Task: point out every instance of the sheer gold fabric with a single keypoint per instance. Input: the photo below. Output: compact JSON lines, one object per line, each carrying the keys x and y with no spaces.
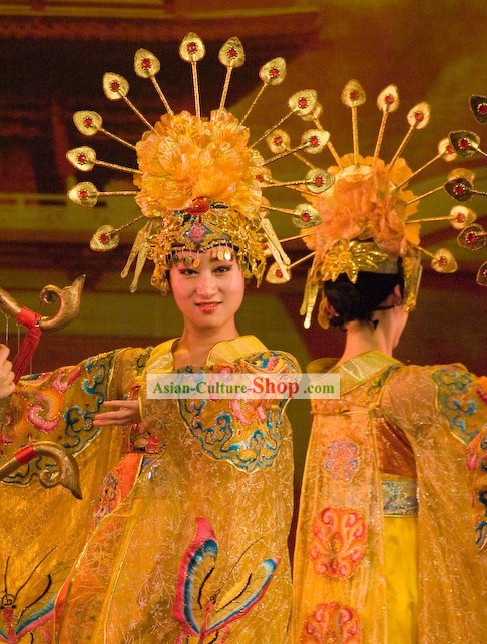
{"x":107,"y":566}
{"x":353,"y":580}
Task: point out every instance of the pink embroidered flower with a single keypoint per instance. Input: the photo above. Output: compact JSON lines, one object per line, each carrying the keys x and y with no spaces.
{"x":338,"y":543}
{"x":332,"y":622}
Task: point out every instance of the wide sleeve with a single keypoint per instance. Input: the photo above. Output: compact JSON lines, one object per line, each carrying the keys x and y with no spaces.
{"x":444,"y":412}
{"x":60,"y":406}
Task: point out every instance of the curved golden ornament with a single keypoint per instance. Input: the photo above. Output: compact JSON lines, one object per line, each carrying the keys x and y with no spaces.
{"x":67,"y":298}
{"x":66,"y":472}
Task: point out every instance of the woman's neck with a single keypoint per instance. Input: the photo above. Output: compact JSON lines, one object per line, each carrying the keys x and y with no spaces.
{"x":362,"y":337}
{"x":195,"y":344}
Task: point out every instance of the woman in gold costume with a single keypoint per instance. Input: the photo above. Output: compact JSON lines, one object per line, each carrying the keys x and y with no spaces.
{"x":393,"y":513}
{"x":181,"y":535}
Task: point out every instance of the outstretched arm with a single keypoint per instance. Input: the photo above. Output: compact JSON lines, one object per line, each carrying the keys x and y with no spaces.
{"x":125,"y":412}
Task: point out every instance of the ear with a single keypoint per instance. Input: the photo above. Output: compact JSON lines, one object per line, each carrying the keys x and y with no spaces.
{"x":397,"y":293}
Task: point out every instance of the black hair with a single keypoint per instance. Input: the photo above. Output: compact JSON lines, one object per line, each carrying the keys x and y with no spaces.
{"x":358,"y":301}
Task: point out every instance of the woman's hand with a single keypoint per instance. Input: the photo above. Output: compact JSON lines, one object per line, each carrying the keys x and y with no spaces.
{"x":126,"y":412}
{"x":7,"y":385}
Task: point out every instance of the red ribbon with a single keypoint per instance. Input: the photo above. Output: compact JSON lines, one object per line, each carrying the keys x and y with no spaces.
{"x":25,"y":454}
{"x":29,"y":320}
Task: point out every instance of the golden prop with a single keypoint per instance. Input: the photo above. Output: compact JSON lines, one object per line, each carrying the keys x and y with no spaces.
{"x":65,"y":470}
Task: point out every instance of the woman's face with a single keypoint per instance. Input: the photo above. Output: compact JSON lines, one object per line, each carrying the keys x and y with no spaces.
{"x":210,"y":294}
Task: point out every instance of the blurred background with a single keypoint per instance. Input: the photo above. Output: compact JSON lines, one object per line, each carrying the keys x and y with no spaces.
{"x":53,"y":55}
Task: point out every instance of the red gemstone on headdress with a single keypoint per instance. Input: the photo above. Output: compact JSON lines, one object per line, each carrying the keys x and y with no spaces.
{"x":278,"y":140}
{"x":81,"y":159}
{"x":353,"y":95}
{"x":482,"y":108}
{"x":305,"y":216}
{"x":264,"y":246}
{"x":146,"y":63}
{"x":83,"y":194}
{"x":471,"y":238}
{"x":419,"y":116}
{"x":114,"y":86}
{"x":104,"y":238}
{"x":459,"y":189}
{"x":192,"y":47}
{"x":88,"y":121}
{"x":464,"y":143}
{"x":389,"y":99}
{"x":232,"y":52}
{"x":449,"y":149}
{"x":197,"y":232}
{"x":318,"y":181}
{"x":274,"y":72}
{"x":303,"y":102}
{"x":460,"y":217}
{"x":279,"y":272}
{"x":198,"y":206}
{"x":442,"y":261}
{"x":259,"y":177}
{"x":314,"y":141}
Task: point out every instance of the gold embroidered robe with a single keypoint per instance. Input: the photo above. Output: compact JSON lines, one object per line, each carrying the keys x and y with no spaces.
{"x":177,"y":507}
{"x":392,"y":519}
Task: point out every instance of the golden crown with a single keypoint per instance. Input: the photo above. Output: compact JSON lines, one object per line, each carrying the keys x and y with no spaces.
{"x":365,"y":219}
{"x":199,"y":182}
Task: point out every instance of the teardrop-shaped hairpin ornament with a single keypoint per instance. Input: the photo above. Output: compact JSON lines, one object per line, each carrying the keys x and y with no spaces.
{"x":387,"y":102}
{"x":84,"y":159}
{"x":315,"y":141}
{"x":276,"y":275}
{"x":306,"y":216}
{"x":105,"y":238}
{"x":231,"y":55}
{"x":461,"y":189}
{"x":278,"y":141}
{"x":474,"y":237}
{"x":465,"y":143}
{"x":318,"y":181}
{"x":86,"y":193}
{"x":116,"y":87}
{"x":461,"y":216}
{"x":418,"y":117}
{"x":353,"y":96}
{"x":443,"y":261}
{"x":303,"y":102}
{"x":146,"y":65}
{"x":192,"y":50}
{"x":272,"y":73}
{"x":482,"y":275}
{"x":89,"y":123}
{"x":478,"y":105}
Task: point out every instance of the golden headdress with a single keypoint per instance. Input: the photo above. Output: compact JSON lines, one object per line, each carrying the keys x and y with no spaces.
{"x":364,"y":220}
{"x":467,"y":144}
{"x":199,"y":182}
